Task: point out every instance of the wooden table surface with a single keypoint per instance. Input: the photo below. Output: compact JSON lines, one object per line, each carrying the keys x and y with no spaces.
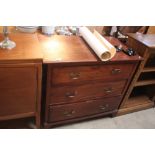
{"x":27,"y":48}
{"x":67,"y":49}
{"x":56,"y":49}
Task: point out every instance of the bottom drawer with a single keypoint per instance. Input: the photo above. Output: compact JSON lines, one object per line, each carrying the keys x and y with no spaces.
{"x":63,"y":112}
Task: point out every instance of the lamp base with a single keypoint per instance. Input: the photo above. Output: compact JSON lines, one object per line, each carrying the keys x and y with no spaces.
{"x":7,"y":44}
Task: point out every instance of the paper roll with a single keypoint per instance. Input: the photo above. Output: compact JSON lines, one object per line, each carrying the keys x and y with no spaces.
{"x":106,"y":43}
{"x":104,"y":50}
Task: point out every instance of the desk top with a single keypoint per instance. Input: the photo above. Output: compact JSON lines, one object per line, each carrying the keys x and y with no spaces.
{"x":146,"y":39}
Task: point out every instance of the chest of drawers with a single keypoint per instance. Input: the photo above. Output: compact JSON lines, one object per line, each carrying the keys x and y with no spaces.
{"x":78,"y":94}
{"x":79,"y":86}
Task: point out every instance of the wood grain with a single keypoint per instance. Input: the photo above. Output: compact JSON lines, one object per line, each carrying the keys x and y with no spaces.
{"x":65,"y":49}
{"x":20,"y":94}
{"x":138,"y":103}
{"x":70,"y":111}
{"x":75,"y":81}
{"x":145,"y":39}
{"x":73,"y":49}
{"x":20,"y":78}
{"x":27,"y":48}
{"x":17,"y":90}
{"x":57,"y":51}
{"x":76,"y":74}
{"x":144,"y":45}
{"x":68,"y":94}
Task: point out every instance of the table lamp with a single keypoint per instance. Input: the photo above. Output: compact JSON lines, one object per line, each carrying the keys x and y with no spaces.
{"x":7,"y":43}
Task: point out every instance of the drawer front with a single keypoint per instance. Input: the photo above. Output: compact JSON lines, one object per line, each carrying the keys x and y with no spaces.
{"x":63,"y":112}
{"x":85,"y":73}
{"x":18,"y":90}
{"x":70,"y":94}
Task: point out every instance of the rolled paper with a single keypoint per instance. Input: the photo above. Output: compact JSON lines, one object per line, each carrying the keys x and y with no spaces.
{"x":106,"y":43}
{"x":103,"y":50}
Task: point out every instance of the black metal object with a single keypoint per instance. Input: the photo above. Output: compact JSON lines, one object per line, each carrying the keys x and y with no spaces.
{"x":129,"y":51}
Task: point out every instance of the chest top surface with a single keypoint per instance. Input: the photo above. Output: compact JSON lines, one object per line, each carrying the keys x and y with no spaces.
{"x":146,"y":39}
{"x":57,"y":49}
{"x":27,"y":48}
{"x":64,"y":49}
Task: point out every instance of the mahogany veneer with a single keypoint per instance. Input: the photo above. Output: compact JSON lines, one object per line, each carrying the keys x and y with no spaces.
{"x":20,"y":79}
{"x":78,"y":85}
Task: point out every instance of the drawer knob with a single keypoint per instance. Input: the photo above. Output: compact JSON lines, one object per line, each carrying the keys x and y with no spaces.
{"x":116,"y":71}
{"x":70,"y":94}
{"x":74,"y":75}
{"x":103,"y":107}
{"x":69,"y":113}
{"x":108,"y":90}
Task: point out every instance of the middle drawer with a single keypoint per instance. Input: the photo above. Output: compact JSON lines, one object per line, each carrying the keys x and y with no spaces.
{"x":68,"y":94}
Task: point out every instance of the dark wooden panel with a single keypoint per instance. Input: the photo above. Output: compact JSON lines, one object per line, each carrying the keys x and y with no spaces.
{"x":145,"y":39}
{"x":137,"y":97}
{"x":70,"y":94}
{"x":136,"y":46}
{"x":79,"y":119}
{"x":18,"y":90}
{"x":89,"y":73}
{"x":63,"y":112}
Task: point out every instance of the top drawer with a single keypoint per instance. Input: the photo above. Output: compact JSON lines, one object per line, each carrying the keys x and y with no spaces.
{"x":86,"y":73}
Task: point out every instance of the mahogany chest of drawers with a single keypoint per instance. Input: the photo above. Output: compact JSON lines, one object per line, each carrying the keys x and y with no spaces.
{"x":78,"y":85}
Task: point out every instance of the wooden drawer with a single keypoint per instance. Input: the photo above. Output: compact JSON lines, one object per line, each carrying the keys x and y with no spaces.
{"x":68,"y":94}
{"x":85,"y":73}
{"x":63,"y":112}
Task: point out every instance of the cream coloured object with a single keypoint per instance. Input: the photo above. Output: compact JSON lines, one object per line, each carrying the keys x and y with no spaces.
{"x":98,"y":44}
{"x":106,"y":43}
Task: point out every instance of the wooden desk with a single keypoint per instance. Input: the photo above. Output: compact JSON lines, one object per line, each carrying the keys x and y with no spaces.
{"x":78,"y":85}
{"x":20,"y":78}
